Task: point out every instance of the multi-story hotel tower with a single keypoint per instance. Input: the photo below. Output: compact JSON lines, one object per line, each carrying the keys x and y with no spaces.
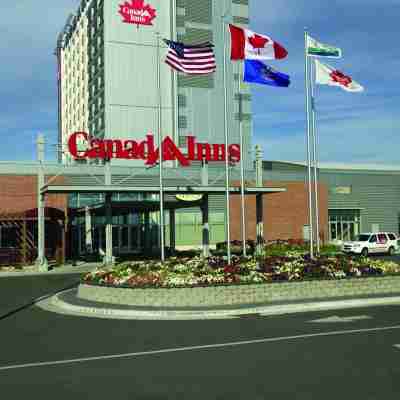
{"x":108,"y":72}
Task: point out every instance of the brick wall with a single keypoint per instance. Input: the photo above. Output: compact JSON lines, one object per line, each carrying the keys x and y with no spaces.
{"x":285,"y":213}
{"x":18,"y":194}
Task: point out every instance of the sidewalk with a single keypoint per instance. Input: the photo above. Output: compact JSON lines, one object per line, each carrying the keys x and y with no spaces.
{"x":80,"y":268}
{"x":68,"y":303}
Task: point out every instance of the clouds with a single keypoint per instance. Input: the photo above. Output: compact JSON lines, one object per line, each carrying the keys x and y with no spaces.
{"x":28,"y":89}
{"x":354,"y":127}
{"x":369,"y":143}
{"x":366,"y":30}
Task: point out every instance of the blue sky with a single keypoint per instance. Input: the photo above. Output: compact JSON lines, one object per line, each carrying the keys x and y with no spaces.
{"x":359,"y":128}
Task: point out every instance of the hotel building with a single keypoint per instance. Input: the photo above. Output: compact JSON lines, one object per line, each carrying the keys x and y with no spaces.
{"x":108,"y":74}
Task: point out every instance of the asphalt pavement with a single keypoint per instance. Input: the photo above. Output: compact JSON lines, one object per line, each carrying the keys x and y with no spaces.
{"x":349,"y":354}
{"x":21,"y":290}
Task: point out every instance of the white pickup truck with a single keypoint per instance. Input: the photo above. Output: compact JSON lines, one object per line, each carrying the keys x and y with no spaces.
{"x":372,"y":243}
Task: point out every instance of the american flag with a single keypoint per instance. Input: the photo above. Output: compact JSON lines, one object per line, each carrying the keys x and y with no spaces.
{"x":196,"y":59}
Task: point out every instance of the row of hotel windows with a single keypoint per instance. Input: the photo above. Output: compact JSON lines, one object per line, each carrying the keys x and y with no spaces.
{"x":78,"y":88}
{"x":74,"y":93}
{"x":76,"y":51}
{"x":75,"y":67}
{"x":76,"y":103}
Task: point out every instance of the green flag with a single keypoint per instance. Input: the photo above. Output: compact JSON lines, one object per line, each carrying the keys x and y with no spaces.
{"x":317,"y":49}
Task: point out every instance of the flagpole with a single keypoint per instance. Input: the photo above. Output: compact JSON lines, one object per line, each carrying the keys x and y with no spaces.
{"x":159,"y":123}
{"x":228,"y":214}
{"x":242,"y":183}
{"x":307,"y":88}
{"x":315,"y":157}
{"x":175,"y":80}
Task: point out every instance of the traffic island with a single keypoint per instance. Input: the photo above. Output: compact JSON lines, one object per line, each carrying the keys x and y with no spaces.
{"x":242,"y":295}
{"x":197,"y":282}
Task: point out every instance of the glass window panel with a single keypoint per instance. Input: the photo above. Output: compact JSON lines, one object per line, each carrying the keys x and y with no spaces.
{"x":346,"y":231}
{"x":134,"y":239}
{"x":339,"y":231}
{"x":73,"y":200}
{"x":87,"y":199}
{"x":115,"y":238}
{"x":129,"y":196}
{"x":116,"y":219}
{"x":134,"y":219}
{"x":333,"y":231}
{"x":125,"y":219}
{"x":102,"y":230}
{"x":352,"y":231}
{"x":99,"y":220}
{"x":96,"y":238}
{"x":82,"y":239}
{"x":124,"y":236}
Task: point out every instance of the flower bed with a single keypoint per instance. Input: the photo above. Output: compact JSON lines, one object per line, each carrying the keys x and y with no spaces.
{"x":275,"y":247}
{"x":190,"y":272}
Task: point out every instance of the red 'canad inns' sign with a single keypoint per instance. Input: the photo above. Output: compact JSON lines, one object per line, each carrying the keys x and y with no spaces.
{"x":137,"y":12}
{"x":81,"y":146}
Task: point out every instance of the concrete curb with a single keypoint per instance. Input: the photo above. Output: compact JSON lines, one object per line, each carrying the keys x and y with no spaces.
{"x":55,"y":304}
{"x":56,"y":271}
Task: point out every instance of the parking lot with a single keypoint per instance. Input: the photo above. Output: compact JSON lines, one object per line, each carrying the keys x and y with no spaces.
{"x":338,"y":354}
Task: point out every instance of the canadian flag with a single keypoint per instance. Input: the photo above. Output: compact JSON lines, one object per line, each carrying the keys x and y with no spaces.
{"x":249,"y":45}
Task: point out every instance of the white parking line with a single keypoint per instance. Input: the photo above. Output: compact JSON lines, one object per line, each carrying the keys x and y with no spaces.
{"x":336,"y":319}
{"x":203,"y":347}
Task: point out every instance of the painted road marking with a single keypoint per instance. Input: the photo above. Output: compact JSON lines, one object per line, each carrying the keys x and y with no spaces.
{"x":336,"y":319}
{"x":397,"y":346}
{"x":203,"y":347}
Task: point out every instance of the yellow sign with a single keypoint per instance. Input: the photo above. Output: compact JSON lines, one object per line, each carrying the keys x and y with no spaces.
{"x":341,"y":190}
{"x":189,"y":197}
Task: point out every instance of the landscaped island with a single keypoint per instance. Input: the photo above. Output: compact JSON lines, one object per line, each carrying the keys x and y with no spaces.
{"x":278,"y":263}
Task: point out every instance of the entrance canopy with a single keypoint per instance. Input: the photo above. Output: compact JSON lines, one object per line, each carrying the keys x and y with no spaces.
{"x":108,"y":180}
{"x":156,"y":189}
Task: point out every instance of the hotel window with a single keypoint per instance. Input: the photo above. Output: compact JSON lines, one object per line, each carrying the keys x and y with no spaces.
{"x":182,"y":141}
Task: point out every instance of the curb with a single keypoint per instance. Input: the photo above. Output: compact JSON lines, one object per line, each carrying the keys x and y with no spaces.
{"x":73,"y":270}
{"x":55,"y":304}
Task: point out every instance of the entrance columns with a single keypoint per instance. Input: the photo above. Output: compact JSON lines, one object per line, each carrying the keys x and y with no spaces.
{"x":109,"y":259}
{"x":41,"y":261}
{"x":88,"y":231}
{"x":172,"y":231}
{"x":147,"y":233}
{"x":206,"y":227}
{"x":260,"y":223}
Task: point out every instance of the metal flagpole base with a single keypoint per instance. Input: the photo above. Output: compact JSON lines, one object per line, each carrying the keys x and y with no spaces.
{"x":42,"y":264}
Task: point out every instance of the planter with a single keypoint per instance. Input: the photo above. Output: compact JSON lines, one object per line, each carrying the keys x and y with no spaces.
{"x":229,"y":295}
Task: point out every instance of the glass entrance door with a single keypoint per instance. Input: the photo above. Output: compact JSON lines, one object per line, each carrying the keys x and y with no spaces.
{"x":344,"y":224}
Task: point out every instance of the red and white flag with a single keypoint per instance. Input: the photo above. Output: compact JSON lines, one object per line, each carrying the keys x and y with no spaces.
{"x":249,"y":45}
{"x":326,"y":75}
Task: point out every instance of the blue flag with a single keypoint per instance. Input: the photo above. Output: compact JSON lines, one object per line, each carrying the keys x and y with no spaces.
{"x":257,"y":72}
